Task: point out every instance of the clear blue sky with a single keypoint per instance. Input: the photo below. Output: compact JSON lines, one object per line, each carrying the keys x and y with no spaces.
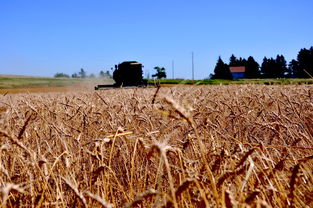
{"x":42,"y":37}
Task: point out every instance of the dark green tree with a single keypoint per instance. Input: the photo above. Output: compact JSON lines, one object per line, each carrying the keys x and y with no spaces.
{"x":160,"y":72}
{"x":221,"y":70}
{"x":281,"y":67}
{"x":233,"y":61}
{"x":274,"y":68}
{"x":74,"y":75}
{"x":241,"y":62}
{"x":102,"y":74}
{"x":294,"y":70}
{"x":61,"y":75}
{"x":267,"y":67}
{"x":106,"y":74}
{"x":252,"y":68}
{"x":303,"y":66}
{"x":82,"y":73}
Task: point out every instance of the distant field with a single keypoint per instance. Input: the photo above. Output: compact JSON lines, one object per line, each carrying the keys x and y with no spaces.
{"x":28,"y":84}
{"x":17,"y":84}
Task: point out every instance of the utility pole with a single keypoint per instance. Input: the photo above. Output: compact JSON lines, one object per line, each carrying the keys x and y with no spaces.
{"x":192,"y":67}
{"x":172,"y":69}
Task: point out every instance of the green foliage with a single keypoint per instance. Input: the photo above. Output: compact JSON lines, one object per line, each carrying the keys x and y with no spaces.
{"x":82,"y":73}
{"x":106,"y":74}
{"x":221,"y":70}
{"x":21,"y":82}
{"x":284,"y":81}
{"x":303,"y":66}
{"x":233,"y":61}
{"x":61,"y":75}
{"x":160,"y":72}
{"x":252,"y":68}
{"x":274,"y":68}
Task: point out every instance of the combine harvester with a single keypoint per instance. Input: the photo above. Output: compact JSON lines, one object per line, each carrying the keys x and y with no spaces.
{"x":127,"y":75}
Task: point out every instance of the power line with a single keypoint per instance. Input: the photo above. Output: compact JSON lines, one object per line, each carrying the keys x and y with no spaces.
{"x":172,"y":69}
{"x":192,"y":67}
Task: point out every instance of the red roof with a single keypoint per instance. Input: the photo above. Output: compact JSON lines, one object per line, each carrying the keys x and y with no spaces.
{"x":237,"y":69}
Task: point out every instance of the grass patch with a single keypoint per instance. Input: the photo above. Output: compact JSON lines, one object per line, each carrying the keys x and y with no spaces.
{"x":28,"y":82}
{"x":237,"y":81}
{"x":12,"y":82}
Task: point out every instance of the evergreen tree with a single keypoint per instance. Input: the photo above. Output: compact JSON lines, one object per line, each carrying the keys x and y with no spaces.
{"x":241,"y":62}
{"x":274,"y":68}
{"x":106,"y":74}
{"x":267,"y":67}
{"x":303,"y":67}
{"x":101,"y":74}
{"x":281,"y":67}
{"x":61,"y":75}
{"x":221,"y":70}
{"x":82,"y":73}
{"x":252,"y":68}
{"x":294,"y":69}
{"x":233,"y":61}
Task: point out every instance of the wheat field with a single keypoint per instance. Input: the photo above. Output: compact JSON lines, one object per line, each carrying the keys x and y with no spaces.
{"x":187,"y":146}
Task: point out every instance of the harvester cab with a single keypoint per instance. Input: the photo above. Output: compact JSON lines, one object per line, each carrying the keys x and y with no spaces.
{"x":126,"y":74}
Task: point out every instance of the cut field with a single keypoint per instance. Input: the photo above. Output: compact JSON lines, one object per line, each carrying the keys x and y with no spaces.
{"x":25,"y":84}
{"x":190,"y":146}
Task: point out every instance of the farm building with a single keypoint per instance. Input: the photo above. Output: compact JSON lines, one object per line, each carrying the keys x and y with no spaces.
{"x":238,"y":72}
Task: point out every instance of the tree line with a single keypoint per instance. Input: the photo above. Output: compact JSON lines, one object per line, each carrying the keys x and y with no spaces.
{"x":83,"y":74}
{"x":160,"y":73}
{"x":302,"y":67}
